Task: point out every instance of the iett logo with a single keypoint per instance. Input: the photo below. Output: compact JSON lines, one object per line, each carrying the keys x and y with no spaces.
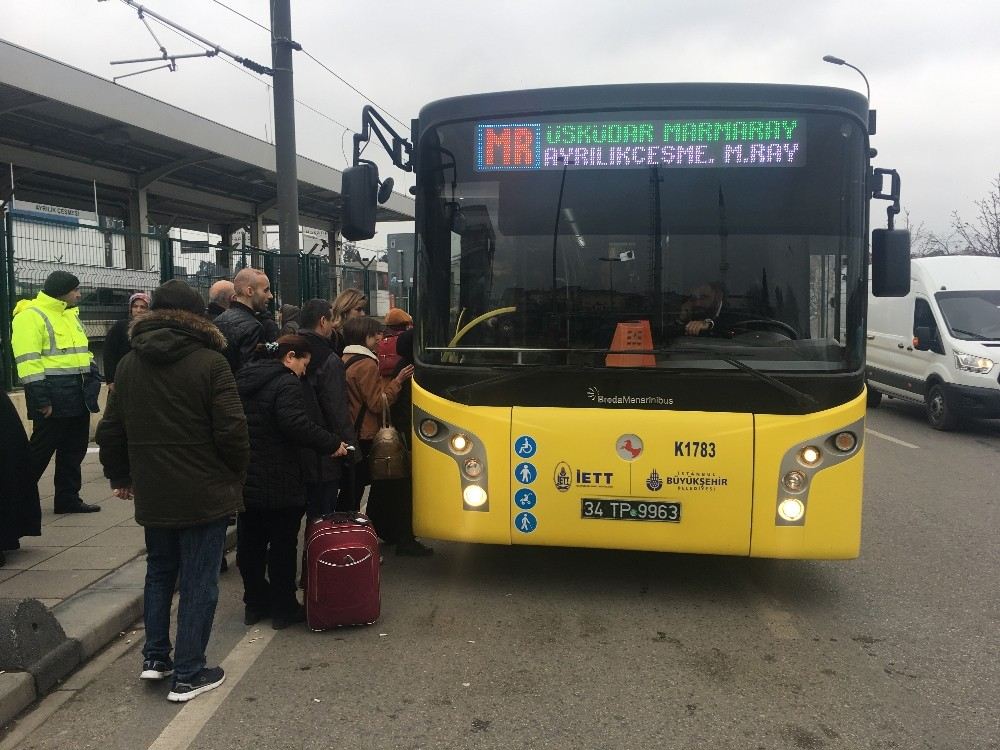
{"x":563,"y":477}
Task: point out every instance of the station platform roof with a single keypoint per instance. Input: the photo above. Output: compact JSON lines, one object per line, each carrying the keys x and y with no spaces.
{"x":63,"y":128}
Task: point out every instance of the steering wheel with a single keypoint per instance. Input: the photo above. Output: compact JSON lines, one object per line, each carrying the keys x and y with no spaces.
{"x":776,"y":326}
{"x":453,"y":356}
{"x":476,"y":321}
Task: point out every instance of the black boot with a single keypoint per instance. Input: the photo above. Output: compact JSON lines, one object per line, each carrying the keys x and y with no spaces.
{"x":78,"y":507}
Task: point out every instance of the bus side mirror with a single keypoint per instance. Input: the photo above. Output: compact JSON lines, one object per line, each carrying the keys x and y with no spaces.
{"x":890,"y":262}
{"x":359,"y":189}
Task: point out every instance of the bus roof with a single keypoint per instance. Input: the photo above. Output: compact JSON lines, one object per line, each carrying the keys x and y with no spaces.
{"x":644,"y":96}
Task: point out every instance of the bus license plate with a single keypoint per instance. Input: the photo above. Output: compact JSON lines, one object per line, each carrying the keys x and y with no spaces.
{"x":631,"y":510}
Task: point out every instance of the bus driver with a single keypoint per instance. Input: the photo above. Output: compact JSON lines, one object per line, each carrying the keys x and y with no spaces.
{"x":702,"y":312}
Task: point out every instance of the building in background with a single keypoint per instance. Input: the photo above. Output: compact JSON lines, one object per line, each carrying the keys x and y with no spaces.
{"x":400,"y":255}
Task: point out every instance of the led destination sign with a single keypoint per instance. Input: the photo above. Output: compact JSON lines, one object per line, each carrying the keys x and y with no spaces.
{"x":510,"y":146}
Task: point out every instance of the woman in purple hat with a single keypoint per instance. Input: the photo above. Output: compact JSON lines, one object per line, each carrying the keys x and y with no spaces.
{"x":116,"y":343}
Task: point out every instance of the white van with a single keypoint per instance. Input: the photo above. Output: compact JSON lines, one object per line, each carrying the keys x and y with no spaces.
{"x":940,"y":344}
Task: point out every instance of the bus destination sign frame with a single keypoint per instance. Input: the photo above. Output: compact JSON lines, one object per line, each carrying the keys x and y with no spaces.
{"x":773,"y":142}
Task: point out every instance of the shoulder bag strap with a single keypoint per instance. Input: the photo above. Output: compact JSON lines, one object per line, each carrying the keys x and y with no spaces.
{"x":386,"y":422}
{"x":364,"y":406}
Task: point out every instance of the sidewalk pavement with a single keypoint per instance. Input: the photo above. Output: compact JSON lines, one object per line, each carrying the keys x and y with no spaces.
{"x":88,"y":570}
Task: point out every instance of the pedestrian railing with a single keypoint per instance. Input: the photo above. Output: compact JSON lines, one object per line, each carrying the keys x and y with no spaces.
{"x":112,"y":263}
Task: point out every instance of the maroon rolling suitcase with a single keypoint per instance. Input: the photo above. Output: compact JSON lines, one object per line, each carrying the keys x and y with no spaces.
{"x":341,"y":571}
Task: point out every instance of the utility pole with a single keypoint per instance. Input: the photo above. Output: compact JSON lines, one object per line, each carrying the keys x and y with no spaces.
{"x":285,"y":156}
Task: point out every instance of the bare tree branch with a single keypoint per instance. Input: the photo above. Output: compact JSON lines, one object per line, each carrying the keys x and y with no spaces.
{"x":981,"y":236}
{"x":924,"y":243}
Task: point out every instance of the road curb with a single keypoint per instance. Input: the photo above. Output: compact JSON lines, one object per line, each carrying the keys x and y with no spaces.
{"x":17,"y":692}
{"x":91,"y":618}
{"x":95,"y":616}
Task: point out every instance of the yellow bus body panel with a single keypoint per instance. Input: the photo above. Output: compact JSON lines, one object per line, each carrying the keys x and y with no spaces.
{"x":727,"y":490}
{"x":715,"y":502}
{"x":438,"y":511}
{"x":832,"y":528}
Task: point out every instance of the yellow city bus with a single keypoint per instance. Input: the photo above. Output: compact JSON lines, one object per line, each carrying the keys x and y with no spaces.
{"x":641,"y":316}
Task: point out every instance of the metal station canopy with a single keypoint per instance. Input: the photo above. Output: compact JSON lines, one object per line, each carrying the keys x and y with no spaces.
{"x":63,"y":129}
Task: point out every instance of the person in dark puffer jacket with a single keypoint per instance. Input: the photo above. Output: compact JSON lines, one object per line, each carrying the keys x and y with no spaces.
{"x":274,"y":493}
{"x":325,"y":390}
{"x":240,"y":323}
{"x":175,"y":439}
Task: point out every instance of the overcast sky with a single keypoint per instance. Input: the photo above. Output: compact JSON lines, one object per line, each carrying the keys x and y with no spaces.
{"x":933,"y":67}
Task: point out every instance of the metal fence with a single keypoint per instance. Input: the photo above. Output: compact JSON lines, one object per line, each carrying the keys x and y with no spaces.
{"x":372,"y":279}
{"x":112,"y":264}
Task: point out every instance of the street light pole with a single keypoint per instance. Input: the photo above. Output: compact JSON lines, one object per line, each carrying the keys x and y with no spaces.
{"x":839,"y":61}
{"x":284,"y":150}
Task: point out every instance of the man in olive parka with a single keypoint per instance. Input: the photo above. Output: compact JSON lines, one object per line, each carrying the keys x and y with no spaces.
{"x":175,"y":437}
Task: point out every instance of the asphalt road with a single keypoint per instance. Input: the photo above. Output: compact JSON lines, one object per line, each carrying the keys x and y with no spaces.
{"x":486,"y":647}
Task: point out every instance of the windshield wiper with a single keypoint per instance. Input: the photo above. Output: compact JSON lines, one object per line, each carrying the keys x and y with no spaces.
{"x":976,"y":336}
{"x":505,"y":377}
{"x":801,"y":398}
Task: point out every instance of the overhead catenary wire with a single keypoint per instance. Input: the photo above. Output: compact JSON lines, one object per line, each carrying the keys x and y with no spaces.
{"x":319,"y":62}
{"x":353,"y":88}
{"x":259,"y":80}
{"x":244,"y":17}
{"x":213,"y":48}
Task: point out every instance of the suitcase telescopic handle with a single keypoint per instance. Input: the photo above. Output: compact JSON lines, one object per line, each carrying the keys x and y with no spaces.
{"x":340,"y":517}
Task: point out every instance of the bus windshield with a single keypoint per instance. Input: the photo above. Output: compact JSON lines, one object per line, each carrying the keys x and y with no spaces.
{"x":693,"y":237}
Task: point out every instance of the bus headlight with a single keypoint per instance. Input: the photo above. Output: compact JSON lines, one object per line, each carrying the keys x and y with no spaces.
{"x":429,"y":429}
{"x":794,"y":481}
{"x":791,"y":509}
{"x":465,"y":452}
{"x":810,"y":456}
{"x":474,"y":496}
{"x":473,"y":468}
{"x":460,"y":444}
{"x":845,"y":441}
{"x":972,"y":363}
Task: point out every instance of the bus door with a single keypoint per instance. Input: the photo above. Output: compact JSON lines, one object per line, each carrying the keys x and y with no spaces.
{"x":632,"y":479}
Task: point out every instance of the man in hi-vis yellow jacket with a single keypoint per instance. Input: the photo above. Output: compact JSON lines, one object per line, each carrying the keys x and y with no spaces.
{"x":61,"y":384}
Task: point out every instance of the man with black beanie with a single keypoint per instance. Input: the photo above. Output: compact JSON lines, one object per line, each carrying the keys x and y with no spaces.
{"x":175,"y":439}
{"x":61,"y":384}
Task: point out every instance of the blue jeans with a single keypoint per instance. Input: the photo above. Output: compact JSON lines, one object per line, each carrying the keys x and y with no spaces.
{"x":193,"y":555}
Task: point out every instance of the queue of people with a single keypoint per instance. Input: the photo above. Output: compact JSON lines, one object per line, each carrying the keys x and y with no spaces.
{"x":211,"y":415}
{"x":263,"y":427}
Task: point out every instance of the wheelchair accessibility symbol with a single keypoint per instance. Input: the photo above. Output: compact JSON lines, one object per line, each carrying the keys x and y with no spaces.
{"x":525,"y":523}
{"x":525,"y":446}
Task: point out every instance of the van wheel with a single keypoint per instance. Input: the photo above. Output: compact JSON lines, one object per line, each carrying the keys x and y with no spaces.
{"x":874,"y":398}
{"x":940,"y":412}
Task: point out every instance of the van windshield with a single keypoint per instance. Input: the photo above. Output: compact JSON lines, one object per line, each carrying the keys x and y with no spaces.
{"x":971,"y":315}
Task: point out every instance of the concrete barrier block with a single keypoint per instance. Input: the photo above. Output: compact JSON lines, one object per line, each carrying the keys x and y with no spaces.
{"x":55,"y":665}
{"x":28,"y":632}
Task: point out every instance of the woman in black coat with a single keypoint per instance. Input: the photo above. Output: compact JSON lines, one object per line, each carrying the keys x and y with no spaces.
{"x":274,"y":493}
{"x":20,"y":508}
{"x":116,"y":343}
